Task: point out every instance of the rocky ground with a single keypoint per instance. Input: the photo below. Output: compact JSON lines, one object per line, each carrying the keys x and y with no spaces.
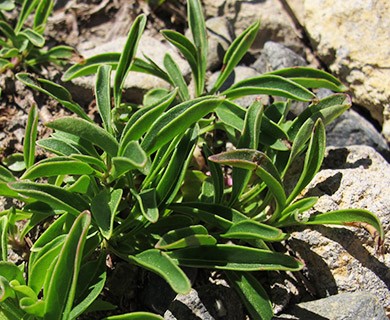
{"x":351,"y":41}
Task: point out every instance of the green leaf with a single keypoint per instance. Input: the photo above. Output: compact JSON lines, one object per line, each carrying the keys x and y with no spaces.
{"x":7,"y":5}
{"x":176,"y":120}
{"x":89,"y":131}
{"x":59,"y":294}
{"x":3,"y":238}
{"x":263,"y":167}
{"x":15,"y":162}
{"x":141,"y":120}
{"x":9,"y":33}
{"x":217,"y":215}
{"x":313,"y":159}
{"x":249,"y":139}
{"x":270,"y":85}
{"x":57,"y":146}
{"x":103,"y":96}
{"x":55,"y":91}
{"x":174,"y":174}
{"x":42,"y":13}
{"x":252,"y":293}
{"x":104,"y":208}
{"x":56,"y":197}
{"x":149,"y":67}
{"x":233,"y":257}
{"x":6,"y":175}
{"x":128,"y":55}
{"x":27,"y":7}
{"x":231,"y":114}
{"x":311,"y":78}
{"x":10,"y":271}
{"x":30,"y":137}
{"x":250,"y":229}
{"x":197,"y":26}
{"x":147,"y":201}
{"x":176,"y":77}
{"x":186,"y":237}
{"x":89,"y":66}
{"x":34,"y":37}
{"x":160,"y":263}
{"x":91,"y":281}
{"x":187,"y":49}
{"x":216,"y":175}
{"x":134,"y":157}
{"x":141,"y":315}
{"x":235,"y":53}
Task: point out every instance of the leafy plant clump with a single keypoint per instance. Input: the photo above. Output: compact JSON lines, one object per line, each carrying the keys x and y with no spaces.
{"x":127,"y":187}
{"x":22,"y":47}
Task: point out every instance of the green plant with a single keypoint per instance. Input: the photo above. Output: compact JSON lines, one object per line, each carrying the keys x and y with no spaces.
{"x":127,"y":187}
{"x":22,"y":47}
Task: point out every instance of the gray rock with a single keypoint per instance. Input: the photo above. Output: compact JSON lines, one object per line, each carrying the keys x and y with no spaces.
{"x":344,"y":259}
{"x":345,"y":306}
{"x":276,"y":56}
{"x":220,"y":36}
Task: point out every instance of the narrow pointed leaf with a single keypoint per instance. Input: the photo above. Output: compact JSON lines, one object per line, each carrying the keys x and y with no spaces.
{"x":216,"y":175}
{"x":90,"y":65}
{"x":232,"y":257}
{"x":311,"y":78}
{"x":128,"y":55}
{"x":140,"y":315}
{"x":161,"y":264}
{"x":269,"y":85}
{"x":252,"y":293}
{"x":141,"y":121}
{"x":134,"y":157}
{"x":103,"y":96}
{"x":3,"y":238}
{"x":89,"y":131}
{"x":57,"y":146}
{"x":30,"y":137}
{"x":42,"y":13}
{"x":103,"y":207}
{"x":176,"y":121}
{"x":231,"y":114}
{"x":147,"y":201}
{"x":6,"y":175}
{"x":59,"y":295}
{"x":235,"y":53}
{"x":55,"y":91}
{"x":250,"y":229}
{"x":27,"y":7}
{"x":176,"y":77}
{"x":35,"y":38}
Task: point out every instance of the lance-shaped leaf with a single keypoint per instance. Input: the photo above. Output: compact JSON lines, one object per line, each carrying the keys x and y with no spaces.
{"x":57,"y":166}
{"x":3,"y":238}
{"x":297,"y":207}
{"x":90,"y":65}
{"x":197,"y":26}
{"x":149,"y":67}
{"x":176,"y":121}
{"x":231,"y":114}
{"x":34,"y":37}
{"x":27,"y":7}
{"x":216,"y":175}
{"x":128,"y":55}
{"x":235,"y":53}
{"x":147,"y":204}
{"x":88,"y":131}
{"x":6,"y":175}
{"x":311,"y":78}
{"x":60,"y":291}
{"x":42,"y":13}
{"x":252,"y":293}
{"x":55,"y":197}
{"x":174,"y":174}
{"x":55,"y":91}
{"x":259,"y":163}
{"x":57,"y":146}
{"x":141,"y":120}
{"x":313,"y":159}
{"x":250,"y":229}
{"x":176,"y":77}
{"x":134,"y":157}
{"x":186,"y":237}
{"x":140,"y":315}
{"x":217,"y":215}
{"x":103,"y":96}
{"x":30,"y":137}
{"x":249,"y":139}
{"x":103,"y":207}
{"x":232,"y":257}
{"x":270,"y":85}
{"x":90,"y":283}
{"x":160,"y":263}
